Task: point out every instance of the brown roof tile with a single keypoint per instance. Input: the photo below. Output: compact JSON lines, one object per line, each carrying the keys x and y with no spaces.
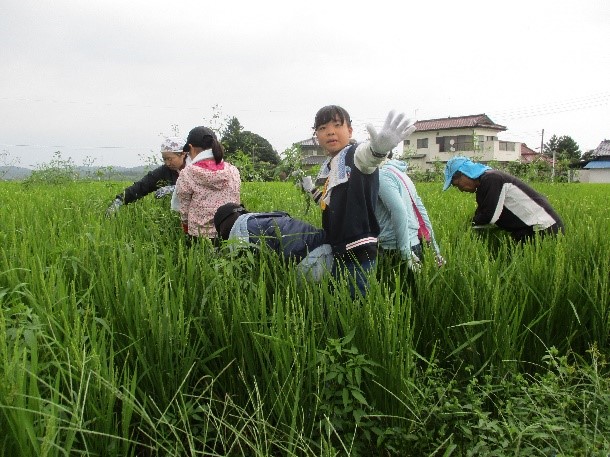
{"x":475,"y":120}
{"x":528,"y":155}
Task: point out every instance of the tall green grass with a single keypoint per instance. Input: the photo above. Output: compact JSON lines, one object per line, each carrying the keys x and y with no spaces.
{"x":118,"y":338}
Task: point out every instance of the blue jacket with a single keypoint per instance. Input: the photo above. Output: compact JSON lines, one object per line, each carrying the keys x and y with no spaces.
{"x":291,"y":238}
{"x":395,"y":213}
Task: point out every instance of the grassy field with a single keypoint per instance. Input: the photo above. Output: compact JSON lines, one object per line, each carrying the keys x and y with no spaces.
{"x":118,"y":339}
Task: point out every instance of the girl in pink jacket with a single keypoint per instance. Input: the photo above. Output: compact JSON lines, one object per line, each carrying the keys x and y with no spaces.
{"x":207,"y":183}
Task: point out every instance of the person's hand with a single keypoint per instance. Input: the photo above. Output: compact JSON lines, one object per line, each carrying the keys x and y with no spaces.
{"x":414,"y":263}
{"x":307,"y":184}
{"x":163,"y":191}
{"x":394,"y":130}
{"x":114,"y":207}
{"x":440,"y":261}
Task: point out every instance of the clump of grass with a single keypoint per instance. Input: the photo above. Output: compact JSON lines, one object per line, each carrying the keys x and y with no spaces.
{"x":119,"y":338}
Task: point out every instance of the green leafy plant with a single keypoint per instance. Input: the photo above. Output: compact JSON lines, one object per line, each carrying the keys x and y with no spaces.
{"x":344,"y":410}
{"x":58,"y":171}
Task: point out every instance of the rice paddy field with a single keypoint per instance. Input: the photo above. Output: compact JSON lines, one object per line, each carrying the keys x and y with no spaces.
{"x":118,"y":338}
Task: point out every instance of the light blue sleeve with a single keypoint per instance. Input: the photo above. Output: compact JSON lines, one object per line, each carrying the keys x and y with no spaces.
{"x":424,"y":214}
{"x":401,"y":216}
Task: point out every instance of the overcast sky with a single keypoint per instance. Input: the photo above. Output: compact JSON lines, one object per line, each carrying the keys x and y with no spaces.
{"x":105,"y":79}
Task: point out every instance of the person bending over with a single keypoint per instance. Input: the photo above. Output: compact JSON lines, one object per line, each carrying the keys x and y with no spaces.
{"x":292,"y":239}
{"x":503,"y":200}
{"x":161,"y":180}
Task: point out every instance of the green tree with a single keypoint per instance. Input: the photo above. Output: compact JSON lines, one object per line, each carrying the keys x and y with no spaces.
{"x":564,"y":147}
{"x":588,"y":155}
{"x":263,"y":158}
{"x":260,"y":148}
{"x":235,"y":138}
{"x":231,"y":136}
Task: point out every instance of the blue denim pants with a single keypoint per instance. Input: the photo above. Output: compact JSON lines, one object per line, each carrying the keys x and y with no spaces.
{"x":355,"y":272}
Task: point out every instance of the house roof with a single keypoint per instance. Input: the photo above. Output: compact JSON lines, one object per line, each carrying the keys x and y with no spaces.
{"x":603,"y":149}
{"x":472,"y":121}
{"x":312,"y":142}
{"x":597,"y":164}
{"x":528,"y":155}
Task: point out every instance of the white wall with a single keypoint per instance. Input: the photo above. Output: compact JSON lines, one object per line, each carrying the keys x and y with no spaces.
{"x":599,"y":175}
{"x":488,"y":150}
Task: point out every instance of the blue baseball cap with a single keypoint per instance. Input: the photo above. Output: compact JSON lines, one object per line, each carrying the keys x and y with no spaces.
{"x":464,"y":165}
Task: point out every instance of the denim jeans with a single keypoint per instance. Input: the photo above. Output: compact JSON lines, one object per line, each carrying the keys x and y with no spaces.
{"x":355,"y":272}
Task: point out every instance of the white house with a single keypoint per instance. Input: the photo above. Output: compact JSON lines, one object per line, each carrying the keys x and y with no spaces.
{"x":476,"y":136}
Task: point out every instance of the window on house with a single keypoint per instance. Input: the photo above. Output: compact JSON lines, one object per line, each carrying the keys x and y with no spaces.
{"x":422,"y":143}
{"x":455,"y":143}
{"x":407,"y":142}
{"x":491,"y":138}
{"x":507,"y":146}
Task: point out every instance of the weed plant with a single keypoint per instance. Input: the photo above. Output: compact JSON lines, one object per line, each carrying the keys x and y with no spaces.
{"x":118,"y":338}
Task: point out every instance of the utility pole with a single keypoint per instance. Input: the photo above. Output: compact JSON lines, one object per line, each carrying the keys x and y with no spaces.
{"x":542,"y":142}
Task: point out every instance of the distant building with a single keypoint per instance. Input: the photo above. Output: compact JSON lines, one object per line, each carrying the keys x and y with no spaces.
{"x":528,"y":155}
{"x":597,"y":169}
{"x":312,"y":153}
{"x":475,"y":136}
{"x":437,"y":140}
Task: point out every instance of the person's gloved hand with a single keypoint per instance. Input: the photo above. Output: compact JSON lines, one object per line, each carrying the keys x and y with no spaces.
{"x":440,"y":261}
{"x":414,"y":263}
{"x":114,"y":207}
{"x":163,"y":191}
{"x":394,"y":130}
{"x":307,"y":184}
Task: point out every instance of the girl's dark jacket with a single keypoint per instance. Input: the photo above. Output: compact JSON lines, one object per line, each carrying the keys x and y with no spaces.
{"x":159,"y":177}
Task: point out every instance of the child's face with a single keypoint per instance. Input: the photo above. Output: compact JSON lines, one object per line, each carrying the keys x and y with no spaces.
{"x":333,"y":136}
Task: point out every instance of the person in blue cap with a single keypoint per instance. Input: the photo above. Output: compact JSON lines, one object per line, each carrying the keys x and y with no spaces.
{"x":503,"y":200}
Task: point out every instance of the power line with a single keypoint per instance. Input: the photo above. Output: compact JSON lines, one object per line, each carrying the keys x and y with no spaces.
{"x":561,"y":107}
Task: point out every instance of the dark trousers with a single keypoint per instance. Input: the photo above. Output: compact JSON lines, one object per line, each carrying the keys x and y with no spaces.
{"x":528,"y":233}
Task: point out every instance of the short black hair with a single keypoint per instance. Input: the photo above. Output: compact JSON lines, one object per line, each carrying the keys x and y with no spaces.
{"x":224,"y":213}
{"x":330,"y":113}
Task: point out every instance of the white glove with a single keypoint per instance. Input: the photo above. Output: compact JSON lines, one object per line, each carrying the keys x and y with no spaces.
{"x":163,"y":191}
{"x":440,"y":261}
{"x":414,"y":263}
{"x":394,"y":130}
{"x":307,"y":184}
{"x":114,"y":207}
